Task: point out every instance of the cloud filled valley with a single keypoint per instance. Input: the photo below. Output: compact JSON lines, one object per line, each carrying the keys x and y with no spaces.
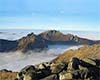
{"x":17,"y":60}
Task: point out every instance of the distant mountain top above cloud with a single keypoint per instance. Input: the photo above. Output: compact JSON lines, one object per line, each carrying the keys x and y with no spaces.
{"x":42,"y":40}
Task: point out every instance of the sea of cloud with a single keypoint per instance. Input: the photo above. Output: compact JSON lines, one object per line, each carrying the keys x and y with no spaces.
{"x":17,"y":60}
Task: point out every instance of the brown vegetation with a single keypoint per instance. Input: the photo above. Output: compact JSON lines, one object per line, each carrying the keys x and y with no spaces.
{"x":83,"y":52}
{"x":8,"y":75}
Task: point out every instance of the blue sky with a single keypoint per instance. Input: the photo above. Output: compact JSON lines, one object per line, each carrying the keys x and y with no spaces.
{"x":50,"y":14}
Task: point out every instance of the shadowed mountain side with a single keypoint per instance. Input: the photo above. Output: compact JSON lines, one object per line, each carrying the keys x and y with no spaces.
{"x":6,"y":45}
{"x":30,"y":42}
{"x":41,"y":41}
{"x":97,"y":42}
{"x":83,"y":52}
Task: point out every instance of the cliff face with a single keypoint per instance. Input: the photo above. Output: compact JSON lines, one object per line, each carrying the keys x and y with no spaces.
{"x":56,"y":37}
{"x":83,"y":52}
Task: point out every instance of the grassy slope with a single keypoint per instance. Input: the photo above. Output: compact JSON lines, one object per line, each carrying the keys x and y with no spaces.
{"x":83,"y":52}
{"x":8,"y":75}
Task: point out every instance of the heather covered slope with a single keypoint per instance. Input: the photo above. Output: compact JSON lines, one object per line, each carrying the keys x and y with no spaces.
{"x":84,"y":52}
{"x":8,"y":75}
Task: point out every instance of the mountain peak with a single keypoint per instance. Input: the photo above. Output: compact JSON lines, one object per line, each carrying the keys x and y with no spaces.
{"x":29,"y":42}
{"x":52,"y":32}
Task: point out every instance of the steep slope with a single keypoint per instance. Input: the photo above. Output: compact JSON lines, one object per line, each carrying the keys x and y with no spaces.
{"x":8,"y":75}
{"x":30,"y":42}
{"x":56,"y":37}
{"x":83,"y":52}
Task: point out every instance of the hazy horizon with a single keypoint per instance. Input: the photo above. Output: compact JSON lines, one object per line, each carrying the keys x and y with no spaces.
{"x":13,"y":34}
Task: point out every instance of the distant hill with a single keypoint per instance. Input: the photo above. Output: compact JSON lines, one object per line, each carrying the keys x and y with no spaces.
{"x":41,"y":41}
{"x":86,"y":51}
{"x":56,"y":37}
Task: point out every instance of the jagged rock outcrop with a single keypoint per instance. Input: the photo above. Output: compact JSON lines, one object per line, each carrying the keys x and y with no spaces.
{"x":75,"y":69}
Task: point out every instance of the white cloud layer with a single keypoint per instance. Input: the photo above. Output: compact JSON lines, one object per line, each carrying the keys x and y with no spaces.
{"x":16,"y":60}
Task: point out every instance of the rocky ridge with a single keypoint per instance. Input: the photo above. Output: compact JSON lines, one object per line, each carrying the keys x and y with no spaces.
{"x":41,"y":41}
{"x":27,"y":43}
{"x":56,"y":37}
{"x":75,"y":69}
{"x":79,"y":67}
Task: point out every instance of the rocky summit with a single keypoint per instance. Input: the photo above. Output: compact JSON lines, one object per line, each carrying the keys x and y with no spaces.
{"x":42,"y":40}
{"x":31,"y":42}
{"x":75,"y":69}
{"x":56,"y":37}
